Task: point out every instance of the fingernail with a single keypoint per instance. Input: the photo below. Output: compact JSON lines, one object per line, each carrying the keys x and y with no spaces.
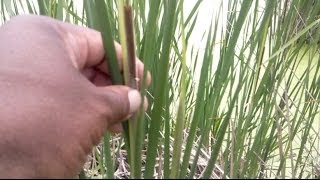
{"x":134,"y":100}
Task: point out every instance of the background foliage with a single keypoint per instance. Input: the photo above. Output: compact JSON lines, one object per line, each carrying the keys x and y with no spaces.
{"x":244,"y":104}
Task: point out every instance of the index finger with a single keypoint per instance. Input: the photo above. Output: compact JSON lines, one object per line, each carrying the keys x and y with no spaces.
{"x":86,"y":45}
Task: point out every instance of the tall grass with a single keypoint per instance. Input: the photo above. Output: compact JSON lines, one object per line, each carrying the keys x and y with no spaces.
{"x":244,"y":106}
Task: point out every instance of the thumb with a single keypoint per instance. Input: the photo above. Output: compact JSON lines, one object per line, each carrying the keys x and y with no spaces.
{"x":119,"y":102}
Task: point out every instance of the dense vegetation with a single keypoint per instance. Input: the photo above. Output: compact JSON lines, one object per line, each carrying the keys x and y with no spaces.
{"x":244,"y":105}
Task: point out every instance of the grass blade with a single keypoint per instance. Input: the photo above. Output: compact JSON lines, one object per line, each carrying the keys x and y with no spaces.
{"x":159,"y":90}
{"x":181,"y":108}
{"x":104,"y":27}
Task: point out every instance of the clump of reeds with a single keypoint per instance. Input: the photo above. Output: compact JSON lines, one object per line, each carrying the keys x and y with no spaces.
{"x":244,"y":106}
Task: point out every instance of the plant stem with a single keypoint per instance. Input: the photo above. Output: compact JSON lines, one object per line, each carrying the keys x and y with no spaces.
{"x":181,"y":109}
{"x":129,"y":70}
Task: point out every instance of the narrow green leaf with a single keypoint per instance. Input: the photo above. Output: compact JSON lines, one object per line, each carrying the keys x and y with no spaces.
{"x":199,"y":106}
{"x":159,"y":90}
{"x":215,"y":151}
{"x":107,"y":156}
{"x":42,"y":7}
{"x":108,"y":42}
{"x":181,"y":108}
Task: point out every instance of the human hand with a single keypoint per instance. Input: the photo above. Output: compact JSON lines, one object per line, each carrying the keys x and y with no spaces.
{"x":57,"y":99}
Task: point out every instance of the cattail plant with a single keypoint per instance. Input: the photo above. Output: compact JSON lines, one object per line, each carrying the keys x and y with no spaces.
{"x":243,"y":105}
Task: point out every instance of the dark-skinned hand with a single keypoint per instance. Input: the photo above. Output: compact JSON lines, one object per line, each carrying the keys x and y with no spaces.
{"x":56,"y":97}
